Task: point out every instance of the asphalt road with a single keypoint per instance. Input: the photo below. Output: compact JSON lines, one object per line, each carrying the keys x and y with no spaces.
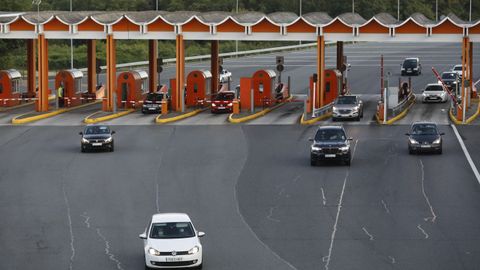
{"x":250,"y":187}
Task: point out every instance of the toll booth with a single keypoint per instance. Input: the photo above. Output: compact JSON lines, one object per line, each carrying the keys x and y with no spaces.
{"x":131,"y":88}
{"x":71,"y":83}
{"x":263,"y":82}
{"x":10,"y":94}
{"x":333,"y":85}
{"x":198,"y":87}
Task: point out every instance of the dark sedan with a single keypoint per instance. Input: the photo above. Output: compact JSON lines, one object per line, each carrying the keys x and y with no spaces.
{"x":424,"y":137}
{"x":330,"y":143}
{"x":97,"y":137}
{"x":153,"y":102}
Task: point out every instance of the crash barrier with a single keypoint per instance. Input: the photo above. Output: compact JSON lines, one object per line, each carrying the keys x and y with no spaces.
{"x":131,"y":87}
{"x":402,"y":106}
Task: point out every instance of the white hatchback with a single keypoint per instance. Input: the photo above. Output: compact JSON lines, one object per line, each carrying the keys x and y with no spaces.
{"x":171,"y":241}
{"x":434,"y":93}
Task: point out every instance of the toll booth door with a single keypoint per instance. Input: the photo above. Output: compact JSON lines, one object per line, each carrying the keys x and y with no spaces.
{"x":124,"y":94}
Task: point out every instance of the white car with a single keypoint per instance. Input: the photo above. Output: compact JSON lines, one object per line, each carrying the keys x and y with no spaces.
{"x":225,"y":75}
{"x":171,"y":241}
{"x":434,"y":93}
{"x":457,"y":69}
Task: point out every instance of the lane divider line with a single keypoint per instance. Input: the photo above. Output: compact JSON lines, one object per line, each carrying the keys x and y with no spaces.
{"x":465,"y":151}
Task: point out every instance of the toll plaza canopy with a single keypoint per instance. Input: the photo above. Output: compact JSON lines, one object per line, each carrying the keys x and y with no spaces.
{"x":282,"y":26}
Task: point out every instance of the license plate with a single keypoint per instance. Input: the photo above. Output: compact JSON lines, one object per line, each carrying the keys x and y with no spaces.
{"x":151,"y":108}
{"x":330,"y":155}
{"x":425,"y":146}
{"x":221,"y":107}
{"x":97,"y":144}
{"x":173,"y":259}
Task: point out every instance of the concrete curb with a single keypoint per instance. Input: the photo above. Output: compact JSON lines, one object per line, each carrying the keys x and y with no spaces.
{"x":256,"y":115}
{"x":314,"y":120}
{"x":17,"y":121}
{"x":89,"y":120}
{"x":158,"y":120}
{"x":398,"y":117}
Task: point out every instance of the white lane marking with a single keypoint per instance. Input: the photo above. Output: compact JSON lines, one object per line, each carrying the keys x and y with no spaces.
{"x":392,"y":259}
{"x":385,"y":207}
{"x":157,"y":198}
{"x":110,"y":255}
{"x":87,"y":219}
{"x":271,"y":214}
{"x":339,"y":209}
{"x":433,"y":217}
{"x":367,"y":233}
{"x":423,"y":231}
{"x":323,"y":196}
{"x":465,"y":151}
{"x":69,"y":217}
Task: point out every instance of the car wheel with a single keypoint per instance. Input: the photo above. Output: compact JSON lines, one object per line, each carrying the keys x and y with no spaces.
{"x":348,"y":161}
{"x":111,"y":147}
{"x":313,"y":162}
{"x":82,"y":149}
{"x":334,"y":119}
{"x":200,"y":266}
{"x":439,"y":151}
{"x":410,"y":151}
{"x":147,"y":268}
{"x":358,"y":118}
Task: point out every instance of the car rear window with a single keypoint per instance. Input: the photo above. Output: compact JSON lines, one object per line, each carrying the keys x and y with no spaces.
{"x":449,"y":75}
{"x":225,"y":96}
{"x":410,"y":63}
{"x":171,"y":230}
{"x":154,"y":97}
{"x":330,"y":135}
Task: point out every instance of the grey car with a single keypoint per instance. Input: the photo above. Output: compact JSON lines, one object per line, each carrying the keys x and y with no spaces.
{"x":347,"y":107}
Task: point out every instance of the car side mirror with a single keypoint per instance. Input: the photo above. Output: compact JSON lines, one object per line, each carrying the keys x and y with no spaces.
{"x":408,"y":134}
{"x":201,"y":234}
{"x":143,"y":236}
{"x":442,"y":133}
{"x":80,"y":133}
{"x":310,"y":139}
{"x":113,"y":132}
{"x":350,"y":139}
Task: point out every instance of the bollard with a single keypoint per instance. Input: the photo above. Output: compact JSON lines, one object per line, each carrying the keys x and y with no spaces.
{"x":236,"y":106}
{"x":164,"y":107}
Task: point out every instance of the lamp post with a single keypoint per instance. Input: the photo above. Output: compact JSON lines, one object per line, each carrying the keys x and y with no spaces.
{"x":157,"y":5}
{"x":436,"y":10}
{"x":236,"y":41}
{"x":71,"y":41}
{"x":398,"y":10}
{"x":353,"y":6}
{"x":470,"y":12}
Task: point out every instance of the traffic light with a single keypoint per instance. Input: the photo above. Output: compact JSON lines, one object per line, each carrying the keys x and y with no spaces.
{"x":315,"y":77}
{"x":159,"y":61}
{"x":279,"y":61}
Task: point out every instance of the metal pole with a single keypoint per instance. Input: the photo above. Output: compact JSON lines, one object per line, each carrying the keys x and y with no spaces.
{"x":398,"y":10}
{"x":157,"y":5}
{"x":252,"y":103}
{"x":353,"y":6}
{"x":436,"y":10}
{"x":385,"y":103}
{"x":470,"y":13}
{"x":314,"y":98}
{"x":300,"y":12}
{"x":236,"y":41}
{"x":71,"y":41}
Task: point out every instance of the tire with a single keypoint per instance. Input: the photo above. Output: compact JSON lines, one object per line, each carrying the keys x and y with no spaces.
{"x":334,"y":119}
{"x":313,"y":162}
{"x":358,"y":118}
{"x":82,"y":149}
{"x":361,"y":116}
{"x":200,"y":266}
{"x":410,"y":151}
{"x":348,"y":161}
{"x":147,"y":268}
{"x":111,"y":147}
{"x":439,"y":152}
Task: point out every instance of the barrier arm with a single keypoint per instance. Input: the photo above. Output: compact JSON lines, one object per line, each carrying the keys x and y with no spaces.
{"x":445,"y":88}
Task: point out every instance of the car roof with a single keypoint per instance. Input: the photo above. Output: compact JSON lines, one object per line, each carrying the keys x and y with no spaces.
{"x":424,"y":123}
{"x":170,"y":217}
{"x":348,"y":96}
{"x":96,"y":125}
{"x":330,"y":127}
{"x":434,"y":84}
{"x":412,"y":58}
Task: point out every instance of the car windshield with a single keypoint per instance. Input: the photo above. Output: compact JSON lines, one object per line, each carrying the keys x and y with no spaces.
{"x":330,"y":135}
{"x":346,"y":100}
{"x":224,"y":96}
{"x":434,"y":88}
{"x":154,"y":97}
{"x":410,"y":63}
{"x":424,"y":129}
{"x":97,"y":130}
{"x":449,"y":76}
{"x":171,"y":230}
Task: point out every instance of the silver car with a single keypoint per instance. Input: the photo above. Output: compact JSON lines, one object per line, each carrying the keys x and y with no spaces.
{"x":347,"y":107}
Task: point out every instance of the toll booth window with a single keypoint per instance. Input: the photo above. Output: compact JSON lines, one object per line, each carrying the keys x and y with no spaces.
{"x":143,"y":87}
{"x":1,"y":88}
{"x":78,"y":85}
{"x":195,"y":88}
{"x":15,"y":86}
{"x":260,"y":87}
{"x":327,"y":87}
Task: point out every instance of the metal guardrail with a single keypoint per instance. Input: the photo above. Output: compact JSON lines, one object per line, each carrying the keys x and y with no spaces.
{"x":323,"y":110}
{"x":226,"y":55}
{"x":401,"y":106}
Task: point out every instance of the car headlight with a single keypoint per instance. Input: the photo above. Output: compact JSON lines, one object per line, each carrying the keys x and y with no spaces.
{"x":194,"y":250}
{"x":85,"y":140}
{"x":335,"y":109}
{"x":403,"y":68}
{"x":154,"y":252}
{"x":344,"y":148}
{"x":214,"y":105}
{"x":230,"y":104}
{"x":415,"y":68}
{"x":108,"y":139}
{"x":355,"y":109}
{"x":437,"y":141}
{"x":413,"y":141}
{"x":316,"y":148}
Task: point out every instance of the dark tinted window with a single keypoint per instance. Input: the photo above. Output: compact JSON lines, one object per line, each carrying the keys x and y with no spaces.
{"x":225,"y":96}
{"x":434,"y":88}
{"x":172,"y":230}
{"x":449,"y":76}
{"x":410,"y":63}
{"x":346,"y":100}
{"x":424,"y":129}
{"x":97,"y":130}
{"x":154,"y":97}
{"x":330,"y":135}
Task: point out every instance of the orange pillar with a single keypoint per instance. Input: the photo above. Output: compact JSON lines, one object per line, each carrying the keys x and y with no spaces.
{"x":111,"y":72}
{"x":92,"y":65}
{"x":470,"y":57}
{"x":180,"y":71}
{"x":320,"y":87}
{"x":152,"y":64}
{"x":42,"y":101}
{"x":31,"y":69}
{"x":215,"y":66}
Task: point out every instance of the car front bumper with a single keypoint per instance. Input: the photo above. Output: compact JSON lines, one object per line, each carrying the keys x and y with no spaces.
{"x":217,"y":109}
{"x":180,"y":261}
{"x":425,"y":147}
{"x":319,"y":155}
{"x":434,"y":98}
{"x":349,"y":115}
{"x":99,"y":145}
{"x":149,"y":108}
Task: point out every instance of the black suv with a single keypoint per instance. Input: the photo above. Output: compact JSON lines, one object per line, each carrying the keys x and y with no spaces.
{"x":330,"y":143}
{"x":424,"y":137}
{"x":97,"y":137}
{"x":153,"y":102}
{"x":411,"y":66}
